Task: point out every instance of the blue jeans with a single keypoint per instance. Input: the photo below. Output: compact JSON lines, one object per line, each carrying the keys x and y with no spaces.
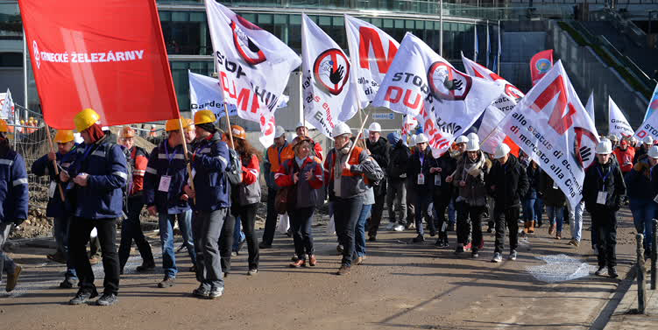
{"x":555,"y":214}
{"x":422,"y":204}
{"x":576,"y":221}
{"x":238,"y":235}
{"x":452,"y":212}
{"x":166,"y":224}
{"x":300,"y":223}
{"x":539,"y":209}
{"x":360,"y":233}
{"x":61,"y":231}
{"x":644,"y":211}
{"x":529,"y":209}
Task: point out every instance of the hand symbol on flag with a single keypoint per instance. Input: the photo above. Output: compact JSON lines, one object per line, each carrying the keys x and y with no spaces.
{"x":452,"y":85}
{"x":585,"y":153}
{"x":336,"y":76}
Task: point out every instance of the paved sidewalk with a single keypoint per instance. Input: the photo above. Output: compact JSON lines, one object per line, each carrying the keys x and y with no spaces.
{"x":625,"y":315}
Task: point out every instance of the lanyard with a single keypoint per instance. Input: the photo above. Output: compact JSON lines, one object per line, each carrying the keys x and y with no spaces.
{"x":421,"y":156}
{"x":603,"y":177}
{"x":169,"y":159}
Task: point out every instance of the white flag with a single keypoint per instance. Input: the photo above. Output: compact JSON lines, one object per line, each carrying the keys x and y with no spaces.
{"x":490,"y":132}
{"x":253,"y":65}
{"x":649,"y":127}
{"x":590,"y":107}
{"x":619,"y":126}
{"x":205,"y":94}
{"x":444,"y":101}
{"x":551,"y":125}
{"x":327,"y":90}
{"x":371,"y":54}
{"x":510,"y":96}
{"x":7,"y":109}
{"x":408,"y":124}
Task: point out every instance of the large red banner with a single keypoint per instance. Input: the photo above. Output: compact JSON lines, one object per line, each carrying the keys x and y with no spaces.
{"x":105,"y":55}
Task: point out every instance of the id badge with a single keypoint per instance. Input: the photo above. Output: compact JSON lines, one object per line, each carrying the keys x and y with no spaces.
{"x":601,"y":197}
{"x":421,"y":179}
{"x":165,"y":181}
{"x":437,"y":180}
{"x":51,"y":189}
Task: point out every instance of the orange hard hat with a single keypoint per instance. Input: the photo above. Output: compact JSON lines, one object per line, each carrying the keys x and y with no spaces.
{"x":127,"y":132}
{"x":238,"y":132}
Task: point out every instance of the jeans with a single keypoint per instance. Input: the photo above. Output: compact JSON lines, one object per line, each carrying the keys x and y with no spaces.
{"x":131,"y":229}
{"x":396,"y":199}
{"x":7,"y":265}
{"x":440,"y":206}
{"x":61,"y":227}
{"x":248,"y":219}
{"x":166,"y":224}
{"x":376,"y":216}
{"x":226,"y":240}
{"x":644,"y":211}
{"x":346,"y":214}
{"x":510,"y":217}
{"x":529,"y":209}
{"x":463,"y":226}
{"x":604,"y":221}
{"x":539,"y":209}
{"x":452,"y":212}
{"x":270,"y":220}
{"x":576,"y":221}
{"x":207,"y":226}
{"x":238,"y":235}
{"x":78,"y":238}
{"x":422,"y":204}
{"x":360,"y":232}
{"x":300,"y":223}
{"x":555,"y":214}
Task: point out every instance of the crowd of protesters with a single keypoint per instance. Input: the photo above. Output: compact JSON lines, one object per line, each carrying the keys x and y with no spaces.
{"x":208,"y":181}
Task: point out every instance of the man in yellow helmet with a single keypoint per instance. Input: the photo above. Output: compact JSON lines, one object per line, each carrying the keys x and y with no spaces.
{"x":13,"y":202}
{"x":96,"y":180}
{"x":210,"y":160}
{"x":67,"y":151}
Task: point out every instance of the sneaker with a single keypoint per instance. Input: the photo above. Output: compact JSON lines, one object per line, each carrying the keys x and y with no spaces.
{"x":68,"y":283}
{"x":513,"y":255}
{"x":475,"y":254}
{"x":467,"y":247}
{"x":558,"y":236}
{"x":601,"y":272}
{"x":215,"y":293}
{"x":419,"y":239}
{"x":573,"y":242}
{"x":432,"y":233}
{"x":202,"y":291}
{"x":459,"y":249}
{"x":94,"y":259}
{"x":372,"y":238}
{"x":497,"y":257}
{"x":145,"y":267}
{"x":312,"y":260}
{"x":612,"y":272}
{"x":83,"y":296}
{"x":252,"y":272}
{"x":398,"y":227}
{"x":12,"y":279}
{"x":359,"y":260}
{"x":107,"y":299}
{"x":264,"y":245}
{"x":343,"y":270}
{"x":167,"y":282}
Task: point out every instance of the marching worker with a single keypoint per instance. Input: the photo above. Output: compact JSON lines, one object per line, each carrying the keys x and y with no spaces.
{"x":396,"y":193}
{"x":248,"y":193}
{"x":210,"y":162}
{"x":377,"y":147}
{"x":641,"y":193}
{"x":647,"y":143}
{"x":305,"y":174}
{"x":67,"y":151}
{"x":166,"y":175}
{"x":418,"y":171}
{"x":96,"y":181}
{"x":302,"y":132}
{"x":555,"y":202}
{"x":603,"y":191}
{"x":346,"y":175}
{"x":625,"y":155}
{"x":442,"y":193}
{"x":13,"y":202}
{"x":277,"y":154}
{"x":507,"y":182}
{"x":131,"y":228}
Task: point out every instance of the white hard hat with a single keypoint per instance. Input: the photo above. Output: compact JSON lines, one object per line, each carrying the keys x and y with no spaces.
{"x":633,"y":139}
{"x":375,"y":127}
{"x":501,"y":151}
{"x":653,"y":152}
{"x":279,"y":131}
{"x":648,"y":140}
{"x":604,"y":147}
{"x":613,"y":137}
{"x":413,"y":139}
{"x":461,"y":139}
{"x":340,"y":129}
{"x":300,"y":124}
{"x":473,"y":145}
{"x":421,"y":138}
{"x":473,"y":136}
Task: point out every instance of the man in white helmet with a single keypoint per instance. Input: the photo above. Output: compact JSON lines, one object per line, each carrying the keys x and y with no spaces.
{"x":603,"y":191}
{"x":379,"y":149}
{"x":647,"y":143}
{"x":302,"y":132}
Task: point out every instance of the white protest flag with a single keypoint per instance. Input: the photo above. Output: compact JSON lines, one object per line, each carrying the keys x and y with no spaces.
{"x":254,"y":66}
{"x":327,"y":90}
{"x":206,"y":94}
{"x":444,"y":101}
{"x":7,"y":110}
{"x":510,"y":96}
{"x":619,"y":126}
{"x":649,"y":127}
{"x":590,"y":107}
{"x":409,"y":122}
{"x":490,"y":132}
{"x":551,"y":125}
{"x":371,"y":54}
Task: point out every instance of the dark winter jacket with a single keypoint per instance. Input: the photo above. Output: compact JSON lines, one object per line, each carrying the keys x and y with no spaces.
{"x":639,"y":182}
{"x":552,"y":195}
{"x":510,"y":182}
{"x":415,"y":167}
{"x":533,"y":182}
{"x":380,"y":152}
{"x":440,"y":188}
{"x":13,"y":188}
{"x":56,"y":207}
{"x":166,"y":161}
{"x":398,"y":161}
{"x":210,"y":162}
{"x":473,"y":173}
{"x":606,"y":178}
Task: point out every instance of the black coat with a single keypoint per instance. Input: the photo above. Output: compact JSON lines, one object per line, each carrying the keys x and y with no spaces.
{"x":613,"y":184}
{"x":550,"y":196}
{"x":398,"y":161}
{"x":510,"y":182}
{"x":448,"y":165}
{"x":380,"y":151}
{"x":414,"y":168}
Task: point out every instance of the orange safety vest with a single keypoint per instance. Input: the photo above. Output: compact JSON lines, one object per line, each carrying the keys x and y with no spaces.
{"x":276,"y":159}
{"x":353,"y":160}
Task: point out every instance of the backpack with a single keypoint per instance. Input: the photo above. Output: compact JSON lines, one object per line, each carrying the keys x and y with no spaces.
{"x":234,"y":171}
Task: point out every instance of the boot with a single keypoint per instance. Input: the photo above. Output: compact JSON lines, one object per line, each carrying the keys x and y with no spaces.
{"x":531,"y":227}
{"x":526,"y":225}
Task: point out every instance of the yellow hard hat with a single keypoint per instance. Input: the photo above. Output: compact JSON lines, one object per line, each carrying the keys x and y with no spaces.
{"x":204,"y":117}
{"x":85,"y":118}
{"x":64,"y":135}
{"x":22,"y":122}
{"x":173,"y":125}
{"x":3,"y":126}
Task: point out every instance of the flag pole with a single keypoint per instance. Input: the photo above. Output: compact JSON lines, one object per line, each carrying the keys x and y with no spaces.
{"x":228,"y":121}
{"x":363,"y":123}
{"x":189,"y":166}
{"x":50,"y":144}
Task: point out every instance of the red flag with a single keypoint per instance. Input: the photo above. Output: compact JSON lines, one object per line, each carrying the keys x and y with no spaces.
{"x":105,"y":55}
{"x":540,"y":64}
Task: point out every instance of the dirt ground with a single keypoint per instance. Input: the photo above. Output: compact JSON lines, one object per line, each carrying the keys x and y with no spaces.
{"x":401,"y":286}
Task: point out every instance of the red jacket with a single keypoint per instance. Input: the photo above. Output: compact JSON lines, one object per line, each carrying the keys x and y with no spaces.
{"x":250,"y":171}
{"x":625,"y":158}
